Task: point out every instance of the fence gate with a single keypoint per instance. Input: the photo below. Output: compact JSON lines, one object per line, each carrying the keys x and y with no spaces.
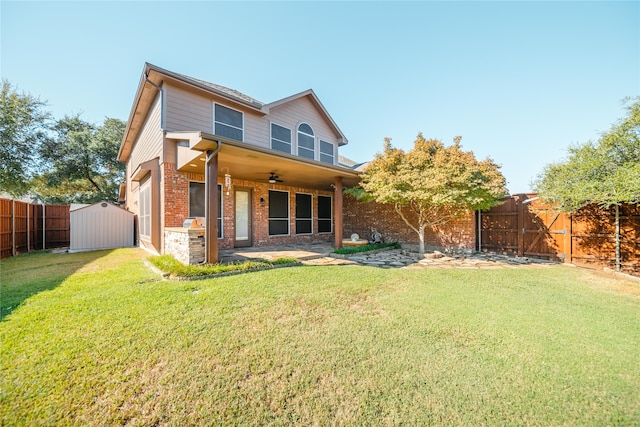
{"x":523,"y":226}
{"x":545,"y":233}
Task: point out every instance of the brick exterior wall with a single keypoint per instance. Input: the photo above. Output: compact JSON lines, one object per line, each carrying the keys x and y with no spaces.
{"x":175,"y":202}
{"x":359,"y":217}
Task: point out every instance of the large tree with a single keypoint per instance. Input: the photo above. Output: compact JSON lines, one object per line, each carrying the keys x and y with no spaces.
{"x":438,"y":183}
{"x":23,"y":128}
{"x":605,"y":173}
{"x":81,"y":160}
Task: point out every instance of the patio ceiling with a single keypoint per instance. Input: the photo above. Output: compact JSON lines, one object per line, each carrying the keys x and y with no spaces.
{"x":248,"y":162}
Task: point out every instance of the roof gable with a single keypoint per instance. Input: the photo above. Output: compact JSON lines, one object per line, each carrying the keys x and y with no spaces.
{"x":311,"y":95}
{"x":150,"y":85}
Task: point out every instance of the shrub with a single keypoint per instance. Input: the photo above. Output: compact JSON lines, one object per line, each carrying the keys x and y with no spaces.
{"x":170,"y":265}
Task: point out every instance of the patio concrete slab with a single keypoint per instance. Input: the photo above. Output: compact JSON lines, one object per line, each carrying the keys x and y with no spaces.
{"x":320,"y":254}
{"x":300,"y":251}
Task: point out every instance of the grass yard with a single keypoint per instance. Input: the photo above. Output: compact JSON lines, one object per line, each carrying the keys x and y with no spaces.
{"x":98,"y":339}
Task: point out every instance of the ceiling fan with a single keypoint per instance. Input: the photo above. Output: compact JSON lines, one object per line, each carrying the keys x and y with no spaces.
{"x":274,"y":178}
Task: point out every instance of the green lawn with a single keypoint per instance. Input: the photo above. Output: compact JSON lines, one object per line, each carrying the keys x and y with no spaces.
{"x":104,"y":341}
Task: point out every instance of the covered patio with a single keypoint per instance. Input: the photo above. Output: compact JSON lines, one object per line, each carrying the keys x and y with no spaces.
{"x":236,"y":165}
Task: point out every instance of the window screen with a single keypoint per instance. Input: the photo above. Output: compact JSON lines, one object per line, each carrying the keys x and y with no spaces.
{"x":278,"y":213}
{"x":304,"y":214}
{"x":197,"y":198}
{"x":324,"y":214}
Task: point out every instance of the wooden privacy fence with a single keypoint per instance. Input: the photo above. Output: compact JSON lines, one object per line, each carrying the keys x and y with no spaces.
{"x":524,"y":226}
{"x":25,"y":227}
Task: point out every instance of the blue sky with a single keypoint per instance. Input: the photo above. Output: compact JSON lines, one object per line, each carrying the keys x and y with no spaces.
{"x":520,"y":81}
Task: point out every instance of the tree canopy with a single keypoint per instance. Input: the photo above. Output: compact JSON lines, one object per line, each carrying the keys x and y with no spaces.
{"x":23,"y":128}
{"x":606,"y":172}
{"x":63,"y":161}
{"x":438,"y":183}
{"x":81,"y":160}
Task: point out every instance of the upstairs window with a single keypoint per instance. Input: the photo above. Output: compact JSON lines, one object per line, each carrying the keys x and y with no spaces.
{"x":306,"y":142}
{"x":227,"y":122}
{"x":280,"y":138}
{"x":326,"y":152}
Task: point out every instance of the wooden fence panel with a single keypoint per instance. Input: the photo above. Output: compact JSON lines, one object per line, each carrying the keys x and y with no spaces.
{"x":6,"y":228}
{"x":22,"y":225}
{"x":499,"y":228}
{"x":57,"y":223}
{"x":544,"y":231}
{"x":523,"y":226}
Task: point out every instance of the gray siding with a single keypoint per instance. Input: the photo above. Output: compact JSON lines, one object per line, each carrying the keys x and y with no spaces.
{"x":149,"y":143}
{"x":298,"y":111}
{"x":186,"y":111}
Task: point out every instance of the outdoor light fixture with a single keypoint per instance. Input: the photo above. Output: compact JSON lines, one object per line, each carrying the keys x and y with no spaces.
{"x":227,"y":181}
{"x":262,"y":201}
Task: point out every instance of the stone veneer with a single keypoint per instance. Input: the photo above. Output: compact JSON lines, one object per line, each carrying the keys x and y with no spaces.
{"x":187,"y":245}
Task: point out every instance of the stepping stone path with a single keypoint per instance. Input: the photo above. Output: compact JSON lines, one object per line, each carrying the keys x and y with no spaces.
{"x":402,"y":258}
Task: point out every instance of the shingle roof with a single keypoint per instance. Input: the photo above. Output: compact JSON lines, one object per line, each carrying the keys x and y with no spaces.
{"x":231,"y":93}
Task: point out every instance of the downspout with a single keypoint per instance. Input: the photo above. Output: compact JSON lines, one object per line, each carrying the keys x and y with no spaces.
{"x":146,"y":78}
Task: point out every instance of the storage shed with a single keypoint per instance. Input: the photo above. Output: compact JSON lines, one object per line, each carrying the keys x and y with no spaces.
{"x":101,"y":226}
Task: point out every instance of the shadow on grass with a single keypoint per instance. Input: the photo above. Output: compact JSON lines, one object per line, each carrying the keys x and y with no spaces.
{"x":26,"y":275}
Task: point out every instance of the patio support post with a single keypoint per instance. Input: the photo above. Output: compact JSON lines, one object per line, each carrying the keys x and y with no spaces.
{"x":338,"y":212}
{"x":211,"y":207}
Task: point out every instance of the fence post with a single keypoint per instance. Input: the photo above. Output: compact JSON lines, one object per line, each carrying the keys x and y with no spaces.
{"x":28,"y":227}
{"x":520,"y":209}
{"x":479,"y":231}
{"x":44,"y":229}
{"x":568,"y":238}
{"x":13,"y":227}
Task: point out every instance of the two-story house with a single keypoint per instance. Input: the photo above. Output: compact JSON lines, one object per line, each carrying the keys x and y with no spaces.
{"x":258,"y":174}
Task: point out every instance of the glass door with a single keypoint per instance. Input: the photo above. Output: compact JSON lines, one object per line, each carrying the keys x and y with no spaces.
{"x":243,"y":217}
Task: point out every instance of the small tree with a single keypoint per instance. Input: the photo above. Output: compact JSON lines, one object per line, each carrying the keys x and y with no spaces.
{"x":23,"y":129}
{"x":437,"y":183}
{"x":606,"y":173}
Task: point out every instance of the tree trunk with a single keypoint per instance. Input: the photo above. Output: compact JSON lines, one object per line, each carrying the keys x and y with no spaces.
{"x":421,"y":238}
{"x":618,"y":262}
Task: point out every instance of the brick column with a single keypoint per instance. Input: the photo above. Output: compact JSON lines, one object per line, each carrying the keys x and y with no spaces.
{"x":338,"y":212}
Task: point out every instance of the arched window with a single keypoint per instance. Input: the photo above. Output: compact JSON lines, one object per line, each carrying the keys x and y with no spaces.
{"x":306,"y":141}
